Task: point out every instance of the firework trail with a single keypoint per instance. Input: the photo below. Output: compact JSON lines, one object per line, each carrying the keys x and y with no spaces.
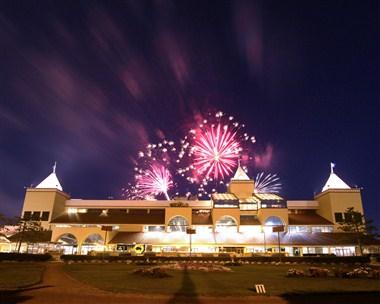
{"x":154,"y":181}
{"x":269,"y":183}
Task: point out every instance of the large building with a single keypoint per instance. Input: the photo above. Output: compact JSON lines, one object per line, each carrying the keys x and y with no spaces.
{"x":240,"y":221}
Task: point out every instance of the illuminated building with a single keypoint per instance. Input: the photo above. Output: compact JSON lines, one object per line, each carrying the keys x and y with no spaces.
{"x":239,"y":221}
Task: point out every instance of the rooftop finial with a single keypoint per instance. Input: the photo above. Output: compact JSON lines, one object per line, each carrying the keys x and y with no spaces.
{"x":332,"y":165}
{"x":55,"y":166}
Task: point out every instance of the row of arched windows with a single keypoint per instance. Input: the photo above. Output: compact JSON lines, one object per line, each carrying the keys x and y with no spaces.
{"x":226,"y":222}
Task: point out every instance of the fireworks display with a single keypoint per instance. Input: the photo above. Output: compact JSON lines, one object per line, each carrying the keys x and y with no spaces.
{"x":216,"y":152}
{"x":200,"y":164}
{"x":267,"y":183}
{"x":153,"y":181}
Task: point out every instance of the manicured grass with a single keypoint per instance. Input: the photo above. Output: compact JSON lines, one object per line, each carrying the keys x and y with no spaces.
{"x":15,"y":275}
{"x":240,"y":282}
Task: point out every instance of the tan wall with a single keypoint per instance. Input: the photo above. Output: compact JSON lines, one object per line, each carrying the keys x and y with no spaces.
{"x":332,"y":201}
{"x":171,"y":212}
{"x":51,"y":200}
{"x":264,"y":213}
{"x":217,"y":213}
{"x":242,"y":189}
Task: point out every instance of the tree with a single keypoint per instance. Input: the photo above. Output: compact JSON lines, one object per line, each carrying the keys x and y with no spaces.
{"x":355,"y":223}
{"x":29,"y":231}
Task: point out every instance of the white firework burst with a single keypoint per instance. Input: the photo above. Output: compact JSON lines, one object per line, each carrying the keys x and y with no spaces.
{"x":267,"y":183}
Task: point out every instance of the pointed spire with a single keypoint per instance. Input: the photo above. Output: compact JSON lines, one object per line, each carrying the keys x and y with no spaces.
{"x":51,"y":182}
{"x":334,"y":181}
{"x":240,"y":174}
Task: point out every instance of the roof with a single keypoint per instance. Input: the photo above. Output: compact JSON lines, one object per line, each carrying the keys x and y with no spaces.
{"x":334,"y":181}
{"x":134,"y":216}
{"x":84,"y":203}
{"x":51,"y":182}
{"x":307,"y":219}
{"x":240,"y":174}
{"x":311,"y":239}
{"x":268,"y":196}
{"x":249,"y":220}
{"x":32,"y":236}
{"x":224,"y":197}
{"x":203,"y":218}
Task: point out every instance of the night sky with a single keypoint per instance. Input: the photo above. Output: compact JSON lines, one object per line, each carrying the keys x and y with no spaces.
{"x":88,"y":84}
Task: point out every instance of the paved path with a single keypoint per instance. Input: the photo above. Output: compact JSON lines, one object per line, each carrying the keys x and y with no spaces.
{"x":58,"y":287}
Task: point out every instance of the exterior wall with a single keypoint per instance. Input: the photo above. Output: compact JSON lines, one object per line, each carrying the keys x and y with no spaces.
{"x":242,"y":189}
{"x":217,"y":213}
{"x":264,"y":213}
{"x":181,"y":211}
{"x":51,"y":200}
{"x":331,"y":201}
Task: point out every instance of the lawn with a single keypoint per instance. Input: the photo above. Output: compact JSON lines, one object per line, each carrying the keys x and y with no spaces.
{"x":19,"y":274}
{"x":240,"y":282}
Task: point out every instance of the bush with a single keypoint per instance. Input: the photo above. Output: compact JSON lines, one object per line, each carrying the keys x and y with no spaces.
{"x":222,"y":257}
{"x":317,"y":272}
{"x":23,"y":257}
{"x":292,"y":272}
{"x":153,"y":272}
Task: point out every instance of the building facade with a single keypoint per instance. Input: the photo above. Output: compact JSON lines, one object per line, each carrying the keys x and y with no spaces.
{"x":239,"y":221}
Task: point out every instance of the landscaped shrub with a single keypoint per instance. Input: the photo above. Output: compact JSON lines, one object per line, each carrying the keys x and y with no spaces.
{"x":292,"y":272}
{"x":209,"y":257}
{"x":154,"y":272}
{"x":317,"y":272}
{"x":21,"y":257}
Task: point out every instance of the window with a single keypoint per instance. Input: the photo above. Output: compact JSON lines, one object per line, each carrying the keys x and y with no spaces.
{"x":226,"y":223}
{"x":348,"y":217}
{"x":154,"y":228}
{"x":273,"y":221}
{"x":358,"y":217}
{"x":338,"y":217}
{"x":36,"y":216}
{"x":177,"y":224}
{"x":27,"y":215}
{"x":45,"y":216}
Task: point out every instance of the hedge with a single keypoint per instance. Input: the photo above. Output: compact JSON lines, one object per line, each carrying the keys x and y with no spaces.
{"x":22,"y":257}
{"x":261,"y":259}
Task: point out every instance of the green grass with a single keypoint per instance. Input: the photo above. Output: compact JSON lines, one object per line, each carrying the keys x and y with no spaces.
{"x":240,"y":282}
{"x":19,"y":274}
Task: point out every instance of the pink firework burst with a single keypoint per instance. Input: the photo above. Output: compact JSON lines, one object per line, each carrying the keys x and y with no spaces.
{"x":153,"y":181}
{"x":216,"y":151}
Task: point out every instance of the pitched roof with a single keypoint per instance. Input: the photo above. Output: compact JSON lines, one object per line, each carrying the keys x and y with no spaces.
{"x":307,"y":219}
{"x":334,"y":181}
{"x":240,"y":174}
{"x":51,"y":182}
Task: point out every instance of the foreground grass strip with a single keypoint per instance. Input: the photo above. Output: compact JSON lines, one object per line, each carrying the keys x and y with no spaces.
{"x":19,"y":274}
{"x":119,"y":278}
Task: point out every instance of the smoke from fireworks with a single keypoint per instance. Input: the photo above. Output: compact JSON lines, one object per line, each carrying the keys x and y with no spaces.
{"x":269,"y":183}
{"x":153,"y":181}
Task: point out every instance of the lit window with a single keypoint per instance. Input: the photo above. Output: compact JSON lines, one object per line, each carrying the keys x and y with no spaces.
{"x":177,"y":224}
{"x":273,"y":221}
{"x":226,"y":223}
